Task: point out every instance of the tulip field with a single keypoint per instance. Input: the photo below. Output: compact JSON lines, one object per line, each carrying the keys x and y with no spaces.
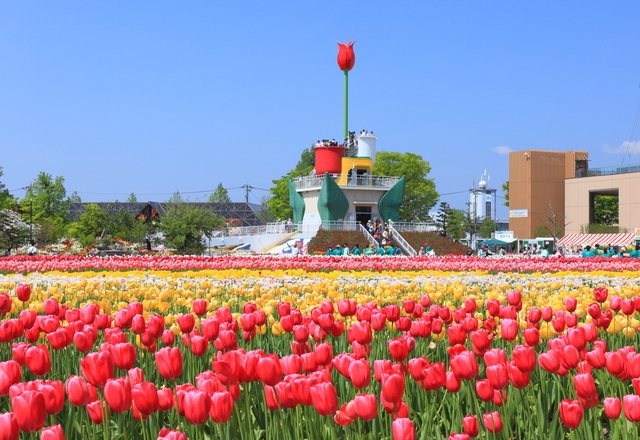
{"x":319,"y":348}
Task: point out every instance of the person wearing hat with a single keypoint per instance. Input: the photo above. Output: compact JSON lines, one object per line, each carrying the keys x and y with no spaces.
{"x":369,"y":250}
{"x":330,"y":250}
{"x":427,"y":248}
{"x":337,"y":251}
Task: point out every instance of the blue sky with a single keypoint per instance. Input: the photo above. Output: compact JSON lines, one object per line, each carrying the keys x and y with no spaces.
{"x":152,"y":97}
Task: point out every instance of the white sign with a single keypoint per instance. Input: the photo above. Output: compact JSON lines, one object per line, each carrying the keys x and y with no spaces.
{"x":503,"y":235}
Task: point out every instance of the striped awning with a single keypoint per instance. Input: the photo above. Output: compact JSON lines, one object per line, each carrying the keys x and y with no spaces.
{"x":593,"y":239}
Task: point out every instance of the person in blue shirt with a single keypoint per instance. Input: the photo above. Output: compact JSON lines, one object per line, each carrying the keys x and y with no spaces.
{"x":544,"y":253}
{"x":356,"y":250}
{"x":330,"y":250}
{"x":337,"y":251}
{"x":380,"y":251}
{"x":588,"y":252}
{"x":635,"y":253}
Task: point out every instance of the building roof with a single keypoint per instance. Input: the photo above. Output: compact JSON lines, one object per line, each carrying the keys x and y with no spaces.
{"x":621,"y":239}
{"x":249,"y":214}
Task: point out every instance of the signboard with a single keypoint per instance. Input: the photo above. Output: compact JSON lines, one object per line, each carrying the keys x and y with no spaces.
{"x":637,"y":233}
{"x":518,"y":213}
{"x":503,"y":235}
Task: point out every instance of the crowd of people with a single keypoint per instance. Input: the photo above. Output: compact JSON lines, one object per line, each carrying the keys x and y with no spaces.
{"x":607,"y":251}
{"x":355,"y":250}
{"x":327,"y":143}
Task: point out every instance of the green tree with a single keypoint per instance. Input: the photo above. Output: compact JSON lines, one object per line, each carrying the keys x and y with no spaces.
{"x":457,"y":224}
{"x":420,"y":193}
{"x":74,"y":198}
{"x":132,"y":198}
{"x":92,"y":222}
{"x":6,"y":199}
{"x":185,"y":227}
{"x":220,"y":195}
{"x":278,"y":204}
{"x":487,"y":227}
{"x":505,"y":188}
{"x":605,"y":210}
{"x":46,"y":197}
{"x":442,"y":219}
{"x":123,"y":224}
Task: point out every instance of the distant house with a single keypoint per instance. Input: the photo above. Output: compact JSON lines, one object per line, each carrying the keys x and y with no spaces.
{"x":236,"y":214}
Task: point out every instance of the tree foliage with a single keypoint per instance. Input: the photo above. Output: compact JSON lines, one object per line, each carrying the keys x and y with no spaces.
{"x":450,"y":222}
{"x":487,"y":227}
{"x":505,"y":188}
{"x":92,"y":222}
{"x":420,"y":193}
{"x":6,"y":199}
{"x":605,"y":210}
{"x":48,"y":196}
{"x":132,"y":198}
{"x":185,"y":227}
{"x":220,"y":195}
{"x":47,"y":201}
{"x":278,"y":204}
{"x":457,"y":224}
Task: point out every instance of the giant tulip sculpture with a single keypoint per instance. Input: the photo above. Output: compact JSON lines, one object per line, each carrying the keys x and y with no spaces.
{"x":346,"y":60}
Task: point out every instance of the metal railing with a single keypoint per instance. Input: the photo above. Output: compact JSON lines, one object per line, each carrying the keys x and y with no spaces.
{"x":368,"y":236}
{"x":399,"y":239}
{"x":608,"y":171}
{"x":367,"y":181}
{"x":414,"y":227}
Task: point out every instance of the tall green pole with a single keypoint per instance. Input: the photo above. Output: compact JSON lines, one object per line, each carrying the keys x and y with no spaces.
{"x":346,"y":104}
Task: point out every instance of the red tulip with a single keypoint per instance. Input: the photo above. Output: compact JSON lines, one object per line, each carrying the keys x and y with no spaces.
{"x":77,"y":391}
{"x":96,"y":411}
{"x":117,"y":393}
{"x":196,"y":406}
{"x":53,"y":393}
{"x":97,"y":368}
{"x":9,"y":429}
{"x":571,"y":413}
{"x":393,"y":387}
{"x":29,"y":409}
{"x":144,"y":396}
{"x":508,"y":329}
{"x":434,"y":377}
{"x":612,"y":407}
{"x":54,"y":432}
{"x":23,"y":292}
{"x":325,"y":398}
{"x":600,"y":294}
{"x":173,"y":434}
{"x":166,"y":399}
{"x":470,"y":425}
{"x":359,"y":372}
{"x":585,"y":386}
{"x":484,"y":390}
{"x":465,"y":365}
{"x":366,"y":406}
{"x":269,"y":370}
{"x":124,"y":355}
{"x":549,"y":361}
{"x":495,"y":356}
{"x":10,"y":374}
{"x":199,"y":307}
{"x":169,"y":362}
{"x":631,"y":406}
{"x":403,"y":429}
{"x":498,"y":376}
{"x":493,"y":422}
{"x":346,"y":57}
{"x":37,"y":360}
{"x":221,"y":407}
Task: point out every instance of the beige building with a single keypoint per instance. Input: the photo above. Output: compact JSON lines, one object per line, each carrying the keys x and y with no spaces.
{"x":543,"y":183}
